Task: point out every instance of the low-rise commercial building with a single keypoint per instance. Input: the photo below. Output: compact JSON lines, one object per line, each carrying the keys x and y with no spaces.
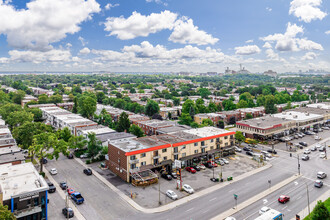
{"x":151,"y":126}
{"x":24,"y":191}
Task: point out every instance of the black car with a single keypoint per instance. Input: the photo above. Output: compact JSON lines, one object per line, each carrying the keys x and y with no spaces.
{"x":246,"y":149}
{"x":88,"y":172}
{"x":70,"y":156}
{"x":63,"y":185}
{"x":52,"y":188}
{"x":68,"y":212}
{"x":303,"y":143}
{"x":167,"y":176}
{"x":250,"y":153}
{"x":43,"y":160}
{"x":196,"y":168}
{"x":272,"y":151}
{"x":208,"y":165}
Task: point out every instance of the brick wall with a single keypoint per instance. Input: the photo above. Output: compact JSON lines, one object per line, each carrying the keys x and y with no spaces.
{"x":118,"y":162}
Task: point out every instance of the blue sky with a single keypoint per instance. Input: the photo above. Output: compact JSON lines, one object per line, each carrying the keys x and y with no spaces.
{"x":164,"y":35}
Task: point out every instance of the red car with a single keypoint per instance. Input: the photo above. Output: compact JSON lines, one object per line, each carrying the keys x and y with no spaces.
{"x":213,"y":164}
{"x":70,"y":191}
{"x":283,"y":199}
{"x":190,"y":169}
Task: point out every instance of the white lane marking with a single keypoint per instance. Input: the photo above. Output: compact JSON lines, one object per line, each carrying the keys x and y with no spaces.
{"x":295,"y":183}
{"x":213,"y":199}
{"x":230,"y":190}
{"x":205,"y":211}
{"x":285,"y":207}
{"x":189,"y":209}
{"x":265,"y":201}
{"x":289,"y":210}
{"x":299,"y":197}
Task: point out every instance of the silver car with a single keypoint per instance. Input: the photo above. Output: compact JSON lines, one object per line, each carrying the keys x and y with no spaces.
{"x":171,"y":194}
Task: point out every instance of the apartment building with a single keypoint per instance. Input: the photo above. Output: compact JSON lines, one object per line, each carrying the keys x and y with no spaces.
{"x":214,"y":117}
{"x":129,"y":157}
{"x":24,"y":191}
{"x":151,"y":126}
{"x":10,"y":153}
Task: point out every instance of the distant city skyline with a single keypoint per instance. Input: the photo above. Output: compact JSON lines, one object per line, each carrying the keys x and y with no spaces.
{"x":164,"y":35}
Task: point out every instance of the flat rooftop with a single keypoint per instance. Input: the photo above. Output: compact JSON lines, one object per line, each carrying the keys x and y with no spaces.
{"x":8,"y":150}
{"x":318,"y":111}
{"x":97,"y":131}
{"x":265,"y":122}
{"x":15,"y":156}
{"x":16,"y":180}
{"x":169,"y":138}
{"x":298,"y":116}
{"x":206,"y":131}
{"x":114,"y":136}
{"x":175,"y":128}
{"x":323,"y":105}
{"x":129,"y":145}
{"x":157,"y":123}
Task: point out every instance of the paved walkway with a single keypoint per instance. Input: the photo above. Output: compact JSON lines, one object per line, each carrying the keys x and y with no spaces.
{"x":175,"y":203}
{"x":255,"y":198}
{"x":305,"y":212}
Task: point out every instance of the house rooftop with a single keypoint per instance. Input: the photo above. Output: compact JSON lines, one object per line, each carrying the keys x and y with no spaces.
{"x":114,"y":136}
{"x":175,"y":128}
{"x":20,"y":179}
{"x":129,"y":145}
{"x":297,"y":116}
{"x":207,"y":131}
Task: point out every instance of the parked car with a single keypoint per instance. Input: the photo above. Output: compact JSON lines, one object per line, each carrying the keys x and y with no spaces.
{"x":237,"y":149}
{"x":188,"y":188}
{"x":307,"y":151}
{"x":322,"y":155}
{"x":171,"y":194}
{"x":63,"y":185}
{"x":313,"y":148}
{"x":43,"y":161}
{"x":308,"y":133}
{"x":167,"y":176}
{"x":202,"y":166}
{"x":317,"y":137}
{"x":298,"y":146}
{"x":300,"y":135}
{"x":250,"y":153}
{"x":321,"y":175}
{"x":174,"y":175}
{"x":68,"y":212}
{"x":303,"y":143}
{"x":220,"y":162}
{"x":53,"y":171}
{"x":230,"y":218}
{"x":318,"y":183}
{"x":52,"y":188}
{"x":318,"y":145}
{"x":263,"y":210}
{"x":70,"y":191}
{"x":305,"y":157}
{"x":283,"y":199}
{"x":191,"y":169}
{"x":70,"y":156}
{"x":77,"y":198}
{"x":83,"y":156}
{"x":197,"y":168}
{"x":208,"y":165}
{"x":320,"y":130}
{"x":247,"y":149}
{"x":326,"y":128}
{"x":272,"y":151}
{"x":225,"y":160}
{"x":88,"y":171}
{"x":322,"y":149}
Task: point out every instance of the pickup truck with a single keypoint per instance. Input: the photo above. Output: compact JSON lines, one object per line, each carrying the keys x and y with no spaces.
{"x":77,"y":198}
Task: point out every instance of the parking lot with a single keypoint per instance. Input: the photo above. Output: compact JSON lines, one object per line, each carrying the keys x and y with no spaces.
{"x":149,"y":196}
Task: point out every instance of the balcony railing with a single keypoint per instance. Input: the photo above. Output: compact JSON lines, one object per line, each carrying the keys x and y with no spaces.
{"x":28,"y":211}
{"x":133,"y":161}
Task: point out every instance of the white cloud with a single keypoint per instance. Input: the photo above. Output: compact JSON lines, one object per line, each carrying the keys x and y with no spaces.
{"x":272,"y":55}
{"x":289,"y":41}
{"x":327,"y":32}
{"x":307,"y":10}
{"x":68,"y":45}
{"x":267,"y":45}
{"x":249,"y":41}
{"x":269,"y":9}
{"x":109,"y":6}
{"x":82,"y":41}
{"x":138,"y":25}
{"x":247,"y":50}
{"x":43,"y":21}
{"x":4,"y":60}
{"x":158,"y":2}
{"x":185,"y":32}
{"x":50,"y":56}
{"x":84,"y":51}
{"x":309,"y":56}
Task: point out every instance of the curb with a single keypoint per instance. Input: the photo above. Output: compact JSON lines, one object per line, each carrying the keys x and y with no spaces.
{"x":77,"y":214}
{"x":255,"y":198}
{"x":175,"y":203}
{"x":304,"y":212}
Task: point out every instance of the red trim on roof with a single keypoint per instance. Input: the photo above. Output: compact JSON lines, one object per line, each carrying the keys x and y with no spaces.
{"x":147,"y":150}
{"x":246,"y":125}
{"x":203,"y":139}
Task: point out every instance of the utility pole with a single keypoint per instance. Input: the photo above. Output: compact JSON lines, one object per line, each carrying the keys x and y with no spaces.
{"x":325,"y":150}
{"x":298,"y":165}
{"x":309,"y":210}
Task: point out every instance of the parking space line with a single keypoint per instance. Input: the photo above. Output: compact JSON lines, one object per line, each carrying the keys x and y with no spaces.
{"x":189,"y":209}
{"x":213,"y":199}
{"x":284,"y":207}
{"x":205,"y":211}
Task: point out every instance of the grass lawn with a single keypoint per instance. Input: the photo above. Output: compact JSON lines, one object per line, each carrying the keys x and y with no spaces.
{"x":326,"y":203}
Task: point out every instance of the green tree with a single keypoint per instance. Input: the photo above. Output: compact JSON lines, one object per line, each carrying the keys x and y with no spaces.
{"x":18,"y":118}
{"x":151,"y":108}
{"x":75,"y":105}
{"x":123,"y":122}
{"x":5,"y":213}
{"x":189,"y":107}
{"x":270,"y":107}
{"x":64,"y":134}
{"x":221,"y":124}
{"x":77,"y":142}
{"x":239,"y":137}
{"x":248,"y":116}
{"x":185,"y":119}
{"x":228,"y":105}
{"x":212,"y":107}
{"x":100,"y":96}
{"x":6,"y":109}
{"x":94,"y":146}
{"x":18,"y":96}
{"x":56,"y":99}
{"x":43,"y":99}
{"x":176,"y":101}
{"x":37,"y":114}
{"x":195,"y":125}
{"x":136,"y":130}
{"x":299,"y":87}
{"x":87,"y":106}
{"x":207,"y":122}
{"x":320,"y":212}
{"x":48,"y":145}
{"x":242,"y":104}
{"x":4,"y":98}
{"x":204,"y":93}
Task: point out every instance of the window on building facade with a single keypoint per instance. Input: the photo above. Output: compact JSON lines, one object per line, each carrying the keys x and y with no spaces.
{"x":164,"y":158}
{"x":183,"y":147}
{"x":226,"y":144}
{"x":212,"y":148}
{"x":133,"y":157}
{"x":218,"y":139}
{"x":218,"y":146}
{"x":231,"y":136}
{"x":203,"y":150}
{"x":133,"y":166}
{"x":164,"y":150}
{"x":183,"y":154}
{"x":143,"y":163}
{"x":176,"y":157}
{"x":212,"y":140}
{"x":196,"y":151}
{"x":203,"y":143}
{"x":226,"y":137}
{"x":143,"y":154}
{"x":176,"y":150}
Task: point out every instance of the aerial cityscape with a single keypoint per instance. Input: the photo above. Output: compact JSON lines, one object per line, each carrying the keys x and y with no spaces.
{"x":164,"y":109}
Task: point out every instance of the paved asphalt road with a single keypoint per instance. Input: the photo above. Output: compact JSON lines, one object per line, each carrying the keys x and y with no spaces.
{"x":103,"y":203}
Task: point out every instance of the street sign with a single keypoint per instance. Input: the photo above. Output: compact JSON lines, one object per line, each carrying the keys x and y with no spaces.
{"x":177,"y":163}
{"x":235,"y":196}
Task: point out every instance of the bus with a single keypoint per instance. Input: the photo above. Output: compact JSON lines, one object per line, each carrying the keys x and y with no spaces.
{"x":271,"y":214}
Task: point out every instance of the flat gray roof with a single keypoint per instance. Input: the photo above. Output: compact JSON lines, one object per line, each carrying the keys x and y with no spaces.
{"x":114,"y":136}
{"x":263,"y":122}
{"x":175,"y":128}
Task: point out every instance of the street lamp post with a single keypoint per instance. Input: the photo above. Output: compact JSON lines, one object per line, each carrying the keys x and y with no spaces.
{"x":298,"y":165}
{"x":309,"y":210}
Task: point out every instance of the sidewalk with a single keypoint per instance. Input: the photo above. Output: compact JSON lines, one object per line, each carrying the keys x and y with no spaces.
{"x":175,"y":203}
{"x":255,"y":198}
{"x":77,"y":214}
{"x":304,"y":212}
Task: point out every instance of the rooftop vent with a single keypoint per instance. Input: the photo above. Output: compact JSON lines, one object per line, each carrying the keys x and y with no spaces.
{"x":295,"y":116}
